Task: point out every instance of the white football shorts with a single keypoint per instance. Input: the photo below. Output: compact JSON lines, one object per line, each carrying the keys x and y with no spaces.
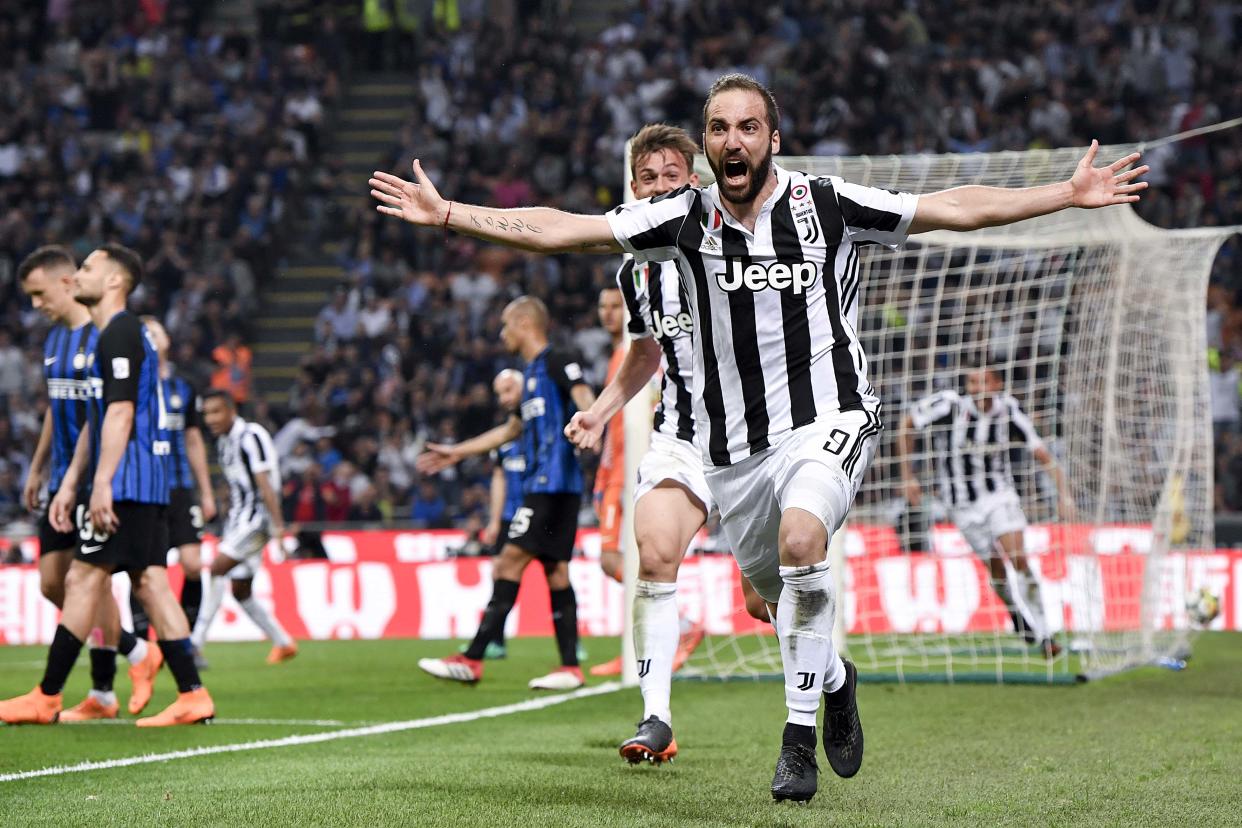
{"x":817,"y":468}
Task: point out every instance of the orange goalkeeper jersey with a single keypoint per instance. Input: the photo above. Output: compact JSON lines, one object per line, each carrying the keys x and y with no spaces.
{"x":611,"y":473}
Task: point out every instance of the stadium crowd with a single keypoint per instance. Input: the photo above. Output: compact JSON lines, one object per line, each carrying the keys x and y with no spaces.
{"x":510,"y":106}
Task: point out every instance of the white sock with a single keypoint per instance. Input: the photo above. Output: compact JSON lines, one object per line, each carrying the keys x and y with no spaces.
{"x":104,"y":697}
{"x":139,"y":654}
{"x":266,"y":621}
{"x":656,"y":632}
{"x":212,"y":599}
{"x":1032,"y":605}
{"x":805,"y":615}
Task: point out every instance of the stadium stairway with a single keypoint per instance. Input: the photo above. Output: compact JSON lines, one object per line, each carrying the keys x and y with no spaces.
{"x":360,"y":133}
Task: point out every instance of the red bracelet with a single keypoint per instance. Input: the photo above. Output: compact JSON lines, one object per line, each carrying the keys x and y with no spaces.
{"x":447,"y":215}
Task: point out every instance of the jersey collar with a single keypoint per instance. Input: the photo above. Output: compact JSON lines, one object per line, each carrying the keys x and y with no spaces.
{"x":782,"y":184}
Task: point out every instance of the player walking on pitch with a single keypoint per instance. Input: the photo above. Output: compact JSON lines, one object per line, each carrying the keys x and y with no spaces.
{"x":252,"y":469}
{"x":125,"y":453}
{"x":790,"y":421}
{"x":546,"y":524}
{"x":972,"y":436}
{"x":46,"y":276}
{"x":188,"y":466}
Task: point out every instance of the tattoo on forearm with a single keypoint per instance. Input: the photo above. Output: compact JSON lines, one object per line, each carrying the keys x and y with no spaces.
{"x":505,"y":225}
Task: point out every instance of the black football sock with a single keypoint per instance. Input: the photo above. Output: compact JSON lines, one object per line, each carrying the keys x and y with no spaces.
{"x":504,"y":596}
{"x":60,"y":658}
{"x":103,"y":668}
{"x":565,"y":622}
{"x":142,"y":626}
{"x":179,"y":656}
{"x":191,"y":599}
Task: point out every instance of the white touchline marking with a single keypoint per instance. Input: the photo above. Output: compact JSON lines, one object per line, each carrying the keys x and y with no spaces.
{"x":214,"y":722}
{"x":315,"y":738}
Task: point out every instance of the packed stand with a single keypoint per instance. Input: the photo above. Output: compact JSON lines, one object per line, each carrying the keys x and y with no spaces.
{"x":142,"y":123}
{"x":505,"y":114}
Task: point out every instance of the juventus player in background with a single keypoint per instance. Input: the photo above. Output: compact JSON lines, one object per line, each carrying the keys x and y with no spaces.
{"x":546,"y":524}
{"x":250,"y":465}
{"x":46,"y":276}
{"x":971,"y":436}
{"x":188,"y":466}
{"x":789,"y":420}
{"x":124,"y":455}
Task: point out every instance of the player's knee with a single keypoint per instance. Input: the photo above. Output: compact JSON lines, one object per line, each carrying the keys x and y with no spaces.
{"x":658,"y":557}
{"x":241,"y":590}
{"x":557,"y":574}
{"x":54,"y":592}
{"x":803,"y":546}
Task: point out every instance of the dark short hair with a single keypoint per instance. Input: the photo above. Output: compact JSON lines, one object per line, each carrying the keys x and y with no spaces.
{"x":49,"y":255}
{"x":654,"y":138}
{"x":219,"y":394}
{"x":129,"y":261}
{"x":737,"y":80}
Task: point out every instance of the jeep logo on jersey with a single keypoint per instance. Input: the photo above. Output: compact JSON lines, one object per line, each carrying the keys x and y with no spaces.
{"x":670,"y":326}
{"x":757,"y":277}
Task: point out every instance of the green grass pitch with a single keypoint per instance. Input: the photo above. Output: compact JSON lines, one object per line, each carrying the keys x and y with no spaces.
{"x":1146,"y":748}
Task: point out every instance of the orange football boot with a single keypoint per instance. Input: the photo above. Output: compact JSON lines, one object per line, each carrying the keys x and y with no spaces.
{"x":143,"y":676}
{"x":36,"y":707}
{"x":90,"y":708}
{"x":279,"y":653}
{"x":608,"y":668}
{"x":190,"y":708}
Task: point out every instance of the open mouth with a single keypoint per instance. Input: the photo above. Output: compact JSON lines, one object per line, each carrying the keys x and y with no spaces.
{"x":735,"y":171}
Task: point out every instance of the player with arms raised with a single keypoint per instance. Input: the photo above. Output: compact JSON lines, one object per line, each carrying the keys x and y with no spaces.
{"x":972,"y":435}
{"x":789,"y":420}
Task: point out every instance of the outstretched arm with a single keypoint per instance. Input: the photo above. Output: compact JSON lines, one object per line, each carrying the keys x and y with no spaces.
{"x":973,"y":207}
{"x":440,"y":456}
{"x":586,"y":428}
{"x":538,"y":229}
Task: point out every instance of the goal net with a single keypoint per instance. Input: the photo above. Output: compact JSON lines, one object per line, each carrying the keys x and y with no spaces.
{"x":1095,"y":322}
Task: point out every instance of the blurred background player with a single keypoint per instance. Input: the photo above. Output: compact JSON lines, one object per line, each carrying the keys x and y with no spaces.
{"x":506,"y":489}
{"x":249,"y":463}
{"x":188,"y":466}
{"x":125,"y":455}
{"x":971,"y":438}
{"x":46,"y":276}
{"x":544,"y":528}
{"x":610,"y":473}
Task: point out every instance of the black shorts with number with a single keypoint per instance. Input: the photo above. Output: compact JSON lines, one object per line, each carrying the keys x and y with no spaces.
{"x":141,"y":539}
{"x":185,"y":518}
{"x":546,"y":525}
{"x":50,"y":538}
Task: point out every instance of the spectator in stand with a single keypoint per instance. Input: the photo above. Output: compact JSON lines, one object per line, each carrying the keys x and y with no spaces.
{"x":429,"y":509}
{"x":233,"y":361}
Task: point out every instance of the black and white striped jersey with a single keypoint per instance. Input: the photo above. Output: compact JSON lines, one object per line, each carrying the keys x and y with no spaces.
{"x":245,"y":451}
{"x":972,"y":446}
{"x":775,"y":311}
{"x":659,"y":307}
